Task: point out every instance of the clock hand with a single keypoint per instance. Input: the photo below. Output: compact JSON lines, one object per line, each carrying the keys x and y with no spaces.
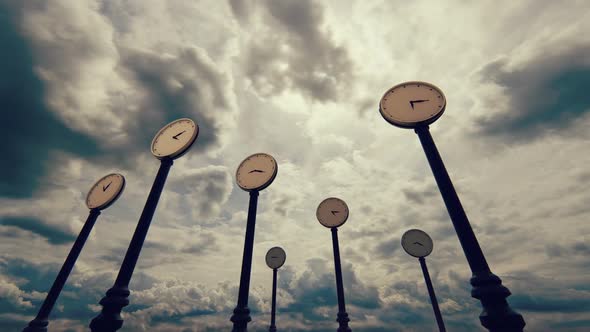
{"x":107,"y":187}
{"x":273,"y":257}
{"x":418,"y":243}
{"x":256,"y":170}
{"x":180,"y":133}
{"x":334,"y":212}
{"x":417,"y":101}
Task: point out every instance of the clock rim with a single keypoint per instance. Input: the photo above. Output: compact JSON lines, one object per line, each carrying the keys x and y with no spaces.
{"x":182,"y":151}
{"x":345,"y":219}
{"x":110,"y":201}
{"x":412,"y":125}
{"x":284,"y":260}
{"x":268,"y":182}
{"x":419,"y":230}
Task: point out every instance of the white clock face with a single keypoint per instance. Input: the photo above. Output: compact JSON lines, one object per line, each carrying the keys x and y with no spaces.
{"x":412,"y":104}
{"x":332,"y":212}
{"x":417,"y":243}
{"x":256,"y":172}
{"x":174,"y":139}
{"x":275,"y":257}
{"x":105,"y":191}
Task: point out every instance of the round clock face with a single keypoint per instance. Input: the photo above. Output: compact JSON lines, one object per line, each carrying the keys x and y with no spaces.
{"x":174,"y":139}
{"x":332,"y":212}
{"x":417,"y":243}
{"x":105,"y":191}
{"x":256,"y":172}
{"x":412,"y":104}
{"x":275,"y":257}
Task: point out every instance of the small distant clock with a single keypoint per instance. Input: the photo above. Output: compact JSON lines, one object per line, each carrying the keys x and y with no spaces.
{"x":105,"y":191}
{"x":417,"y":243}
{"x":275,"y":257}
{"x":332,"y":212}
{"x":174,"y":139}
{"x":412,"y":104}
{"x":256,"y":172}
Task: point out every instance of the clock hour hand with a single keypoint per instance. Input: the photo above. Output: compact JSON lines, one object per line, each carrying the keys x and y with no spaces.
{"x":255,"y":171}
{"x":180,"y":133}
{"x":412,"y":102}
{"x":334,"y":212}
{"x":107,"y":187}
{"x":418,"y":243}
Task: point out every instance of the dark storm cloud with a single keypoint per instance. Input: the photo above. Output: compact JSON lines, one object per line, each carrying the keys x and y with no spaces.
{"x":295,"y":52}
{"x":388,"y":248}
{"x":315,"y":287}
{"x":187,"y":84}
{"x":577,"y":248}
{"x":30,"y":131}
{"x":53,"y":235}
{"x":547,"y":93}
{"x":202,"y":191}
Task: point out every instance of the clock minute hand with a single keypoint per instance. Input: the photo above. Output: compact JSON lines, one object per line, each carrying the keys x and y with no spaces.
{"x":418,"y":243}
{"x":180,"y":133}
{"x":107,"y":187}
{"x":256,"y":170}
{"x":412,"y":102}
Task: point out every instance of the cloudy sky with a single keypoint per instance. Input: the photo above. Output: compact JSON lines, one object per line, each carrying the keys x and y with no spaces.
{"x":85,"y":84}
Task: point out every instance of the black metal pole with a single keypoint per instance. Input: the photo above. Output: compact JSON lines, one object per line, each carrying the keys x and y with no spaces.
{"x":272,"y":327}
{"x":109,"y":320}
{"x":342,"y":315}
{"x":497,"y":316}
{"x":241,"y":315}
{"x":439,"y":320}
{"x":39,"y":324}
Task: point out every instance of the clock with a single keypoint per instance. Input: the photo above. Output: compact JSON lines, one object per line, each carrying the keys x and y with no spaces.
{"x":256,"y":172}
{"x":105,"y":191}
{"x":174,"y":139}
{"x":275,"y":257}
{"x":332,"y":212}
{"x":412,"y":104}
{"x":417,"y":243}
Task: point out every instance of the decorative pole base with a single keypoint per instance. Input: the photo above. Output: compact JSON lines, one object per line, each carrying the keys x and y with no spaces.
{"x":109,"y":320}
{"x":497,"y":316}
{"x":37,"y":325}
{"x":272,"y":329}
{"x":240,"y":318}
{"x":343,"y":321}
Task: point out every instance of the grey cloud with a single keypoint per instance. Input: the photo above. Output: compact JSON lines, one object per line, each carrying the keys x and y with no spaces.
{"x":203,"y":191}
{"x":296,"y":52}
{"x":577,"y":248}
{"x":388,"y":248}
{"x":546,"y":94}
{"x":205,"y":242}
{"x":186,"y":84}
{"x":34,"y":225}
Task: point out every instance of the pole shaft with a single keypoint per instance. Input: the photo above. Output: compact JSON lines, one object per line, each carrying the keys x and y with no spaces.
{"x":497,"y":316}
{"x":272,"y":327}
{"x":437,"y":314}
{"x":342,"y":315}
{"x":471,"y":248}
{"x":241,"y":315}
{"x":109,"y":320}
{"x":41,"y":320}
{"x":143,"y":225}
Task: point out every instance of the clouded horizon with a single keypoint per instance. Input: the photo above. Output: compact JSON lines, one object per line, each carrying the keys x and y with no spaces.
{"x":85,"y":85}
